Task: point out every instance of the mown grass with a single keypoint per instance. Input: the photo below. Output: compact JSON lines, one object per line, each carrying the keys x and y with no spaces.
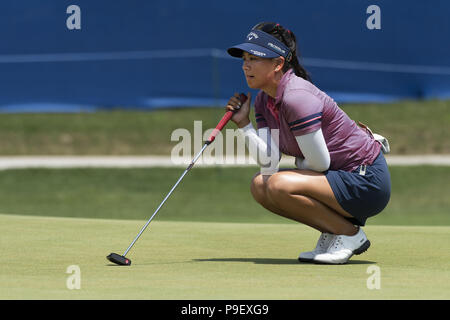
{"x":419,"y":195}
{"x":198,"y":260}
{"x":232,"y":248}
{"x":413,"y":127}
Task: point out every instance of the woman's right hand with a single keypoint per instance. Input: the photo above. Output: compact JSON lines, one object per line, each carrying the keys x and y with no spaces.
{"x":241,"y":116}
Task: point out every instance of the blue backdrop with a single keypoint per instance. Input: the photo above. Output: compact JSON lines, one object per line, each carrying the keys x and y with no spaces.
{"x":148,"y":54}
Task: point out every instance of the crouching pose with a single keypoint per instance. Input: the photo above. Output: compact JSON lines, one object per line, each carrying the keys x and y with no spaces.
{"x":341,"y":178}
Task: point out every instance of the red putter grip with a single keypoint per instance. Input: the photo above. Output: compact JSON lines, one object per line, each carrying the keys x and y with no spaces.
{"x":223,"y":122}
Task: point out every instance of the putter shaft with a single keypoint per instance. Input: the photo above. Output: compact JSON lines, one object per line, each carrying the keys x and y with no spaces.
{"x":168,"y":195}
{"x":211,"y":138}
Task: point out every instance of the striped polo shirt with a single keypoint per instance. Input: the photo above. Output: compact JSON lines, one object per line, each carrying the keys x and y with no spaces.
{"x":300,"y":108}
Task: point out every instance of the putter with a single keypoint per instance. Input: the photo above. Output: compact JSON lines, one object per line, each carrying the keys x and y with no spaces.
{"x":122,"y":260}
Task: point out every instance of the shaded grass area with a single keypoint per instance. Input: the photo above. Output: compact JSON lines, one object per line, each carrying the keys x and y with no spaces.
{"x":413,"y":127}
{"x":419,"y":195}
{"x":197,"y":260}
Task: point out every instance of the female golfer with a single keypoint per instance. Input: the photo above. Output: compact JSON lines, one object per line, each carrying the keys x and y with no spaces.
{"x":341,"y":178}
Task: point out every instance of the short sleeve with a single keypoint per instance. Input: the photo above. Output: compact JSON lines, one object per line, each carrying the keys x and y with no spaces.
{"x":259,"y":112}
{"x":303,"y":112}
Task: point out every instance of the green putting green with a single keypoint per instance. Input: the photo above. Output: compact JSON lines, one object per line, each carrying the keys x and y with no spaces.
{"x":208,"y":260}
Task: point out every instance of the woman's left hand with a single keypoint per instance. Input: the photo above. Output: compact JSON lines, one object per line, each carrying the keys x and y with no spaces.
{"x":241,"y":116}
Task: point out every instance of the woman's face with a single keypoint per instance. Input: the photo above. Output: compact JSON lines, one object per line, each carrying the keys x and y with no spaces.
{"x":259,"y":72}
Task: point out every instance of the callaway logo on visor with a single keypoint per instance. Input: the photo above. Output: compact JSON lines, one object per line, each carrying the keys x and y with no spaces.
{"x":261,"y":44}
{"x":252,"y":35}
{"x":267,"y":41}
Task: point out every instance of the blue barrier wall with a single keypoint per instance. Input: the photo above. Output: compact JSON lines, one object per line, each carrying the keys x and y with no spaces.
{"x":148,"y":54}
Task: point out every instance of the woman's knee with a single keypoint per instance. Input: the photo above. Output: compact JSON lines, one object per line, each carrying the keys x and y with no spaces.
{"x":257,"y":188}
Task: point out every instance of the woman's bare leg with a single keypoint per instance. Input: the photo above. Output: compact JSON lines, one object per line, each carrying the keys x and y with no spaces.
{"x":304,"y":196}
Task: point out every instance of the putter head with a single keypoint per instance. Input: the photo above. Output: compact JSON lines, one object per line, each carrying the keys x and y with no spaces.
{"x":118,"y":259}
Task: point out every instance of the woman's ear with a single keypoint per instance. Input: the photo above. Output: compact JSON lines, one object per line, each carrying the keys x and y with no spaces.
{"x":280,"y":64}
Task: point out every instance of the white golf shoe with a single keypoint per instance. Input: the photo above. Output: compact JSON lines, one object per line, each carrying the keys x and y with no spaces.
{"x":342,"y":248}
{"x":321,"y":247}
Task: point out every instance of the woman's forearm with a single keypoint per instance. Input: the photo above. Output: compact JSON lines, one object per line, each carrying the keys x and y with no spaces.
{"x":262,"y":147}
{"x":315,"y":151}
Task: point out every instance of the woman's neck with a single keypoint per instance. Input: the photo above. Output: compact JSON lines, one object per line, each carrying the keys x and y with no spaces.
{"x":272,"y":87}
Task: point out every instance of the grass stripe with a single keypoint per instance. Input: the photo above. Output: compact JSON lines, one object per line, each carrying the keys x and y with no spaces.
{"x":199,"y":260}
{"x":412,"y":127}
{"x":419,"y":195}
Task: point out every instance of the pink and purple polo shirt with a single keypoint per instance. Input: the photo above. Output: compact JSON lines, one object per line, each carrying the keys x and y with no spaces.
{"x":301,"y":108}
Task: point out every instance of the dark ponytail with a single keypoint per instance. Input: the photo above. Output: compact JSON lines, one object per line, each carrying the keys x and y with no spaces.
{"x":289,"y":39}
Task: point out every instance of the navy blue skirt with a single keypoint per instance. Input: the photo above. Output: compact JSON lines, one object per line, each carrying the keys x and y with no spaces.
{"x":363,"y":192}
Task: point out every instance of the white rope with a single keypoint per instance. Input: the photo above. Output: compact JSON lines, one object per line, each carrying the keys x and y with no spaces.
{"x":217,"y":53}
